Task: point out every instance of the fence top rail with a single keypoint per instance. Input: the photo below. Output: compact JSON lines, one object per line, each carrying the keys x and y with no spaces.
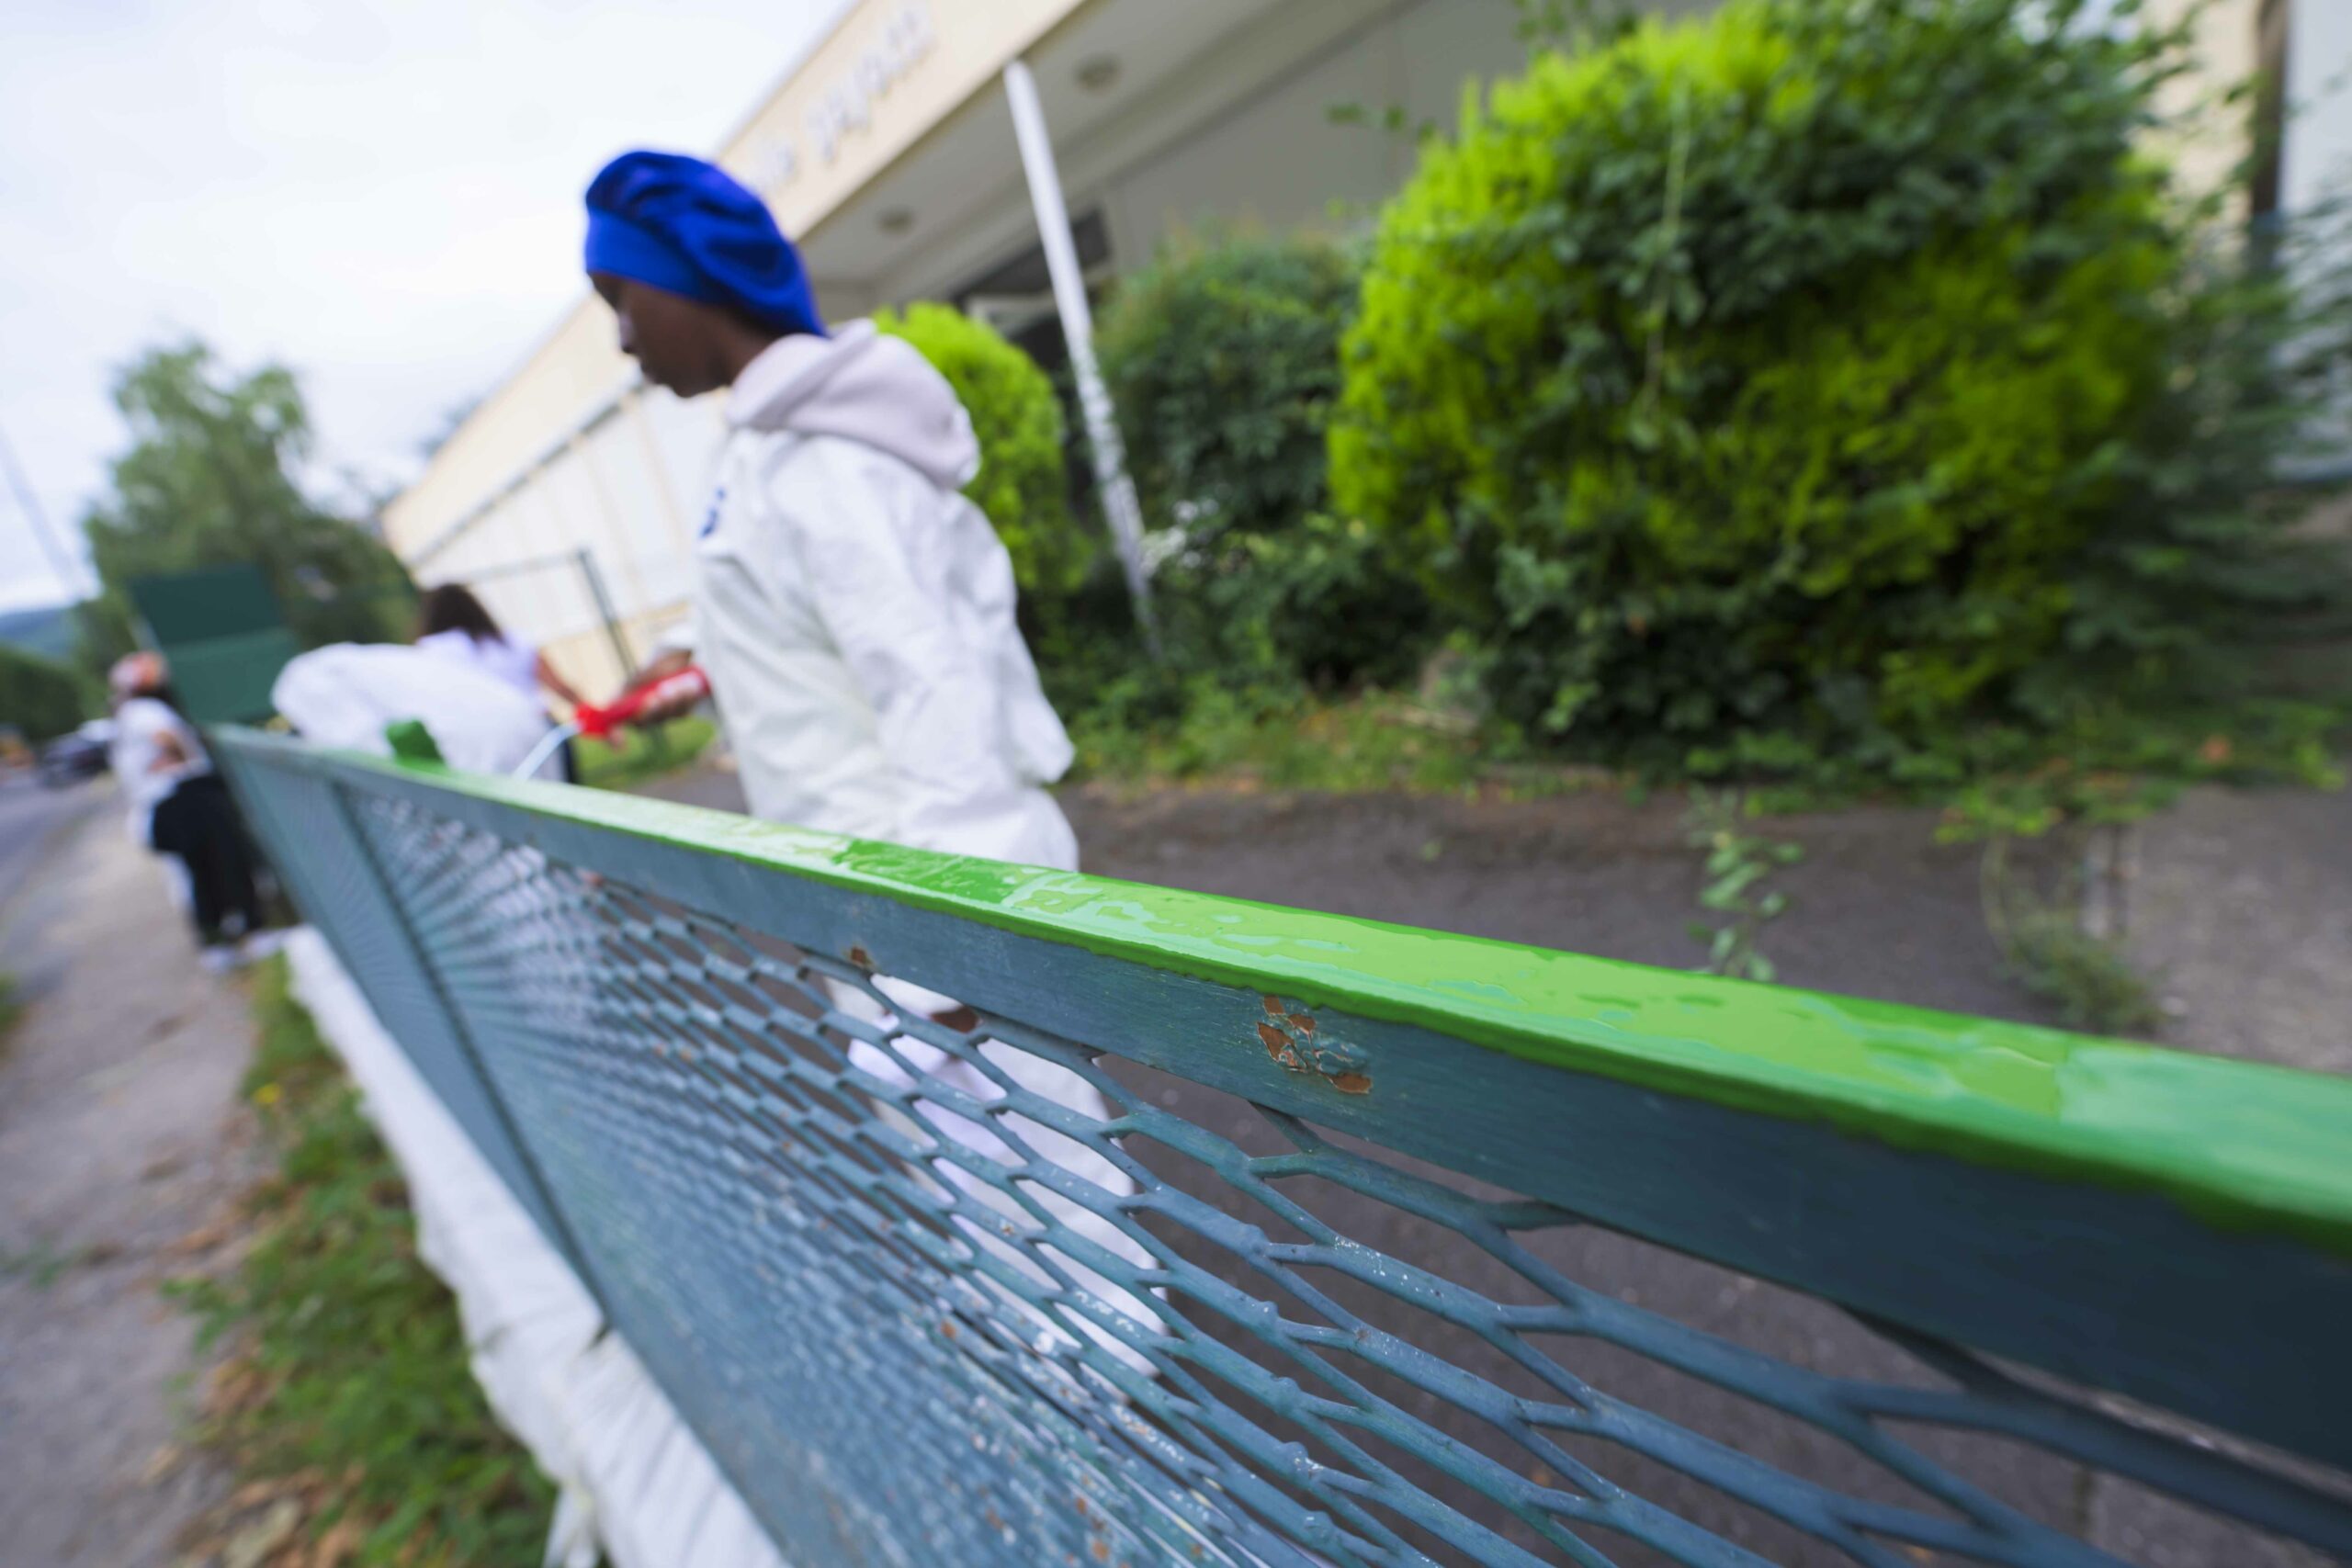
{"x":2240,"y":1145}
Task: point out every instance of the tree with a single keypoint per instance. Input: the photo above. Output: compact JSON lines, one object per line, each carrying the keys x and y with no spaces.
{"x":1223,"y":358}
{"x":212,"y":477}
{"x":38,"y":696}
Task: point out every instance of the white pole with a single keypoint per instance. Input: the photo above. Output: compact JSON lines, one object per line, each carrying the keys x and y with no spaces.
{"x":1119,"y":501}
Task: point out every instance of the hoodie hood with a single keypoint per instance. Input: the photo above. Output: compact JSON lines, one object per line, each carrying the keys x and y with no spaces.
{"x":860,"y":384}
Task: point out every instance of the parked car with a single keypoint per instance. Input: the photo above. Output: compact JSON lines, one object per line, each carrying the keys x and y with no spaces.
{"x":70,"y":759}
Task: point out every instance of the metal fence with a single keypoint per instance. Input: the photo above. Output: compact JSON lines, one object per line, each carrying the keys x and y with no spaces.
{"x":1235,"y":1235}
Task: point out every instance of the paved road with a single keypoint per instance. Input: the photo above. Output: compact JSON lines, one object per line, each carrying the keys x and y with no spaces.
{"x":30,"y":818}
{"x":120,"y":1133}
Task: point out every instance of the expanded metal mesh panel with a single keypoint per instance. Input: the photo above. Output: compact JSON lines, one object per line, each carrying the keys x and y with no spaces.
{"x":307,"y":828}
{"x":978,"y":1291}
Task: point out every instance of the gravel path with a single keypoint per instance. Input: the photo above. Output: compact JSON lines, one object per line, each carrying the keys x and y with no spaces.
{"x":2239,"y":904}
{"x":120,"y":1136}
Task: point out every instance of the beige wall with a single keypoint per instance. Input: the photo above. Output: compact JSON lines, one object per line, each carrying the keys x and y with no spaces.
{"x":587,"y":660}
{"x":1277,"y":160}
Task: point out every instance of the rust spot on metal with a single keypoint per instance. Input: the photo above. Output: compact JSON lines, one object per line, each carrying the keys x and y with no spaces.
{"x":1302,"y":1023}
{"x":948,"y":1328}
{"x":1352,"y":1083}
{"x":1277,"y":1042}
{"x":863,"y":959}
{"x":1098,"y":1548}
{"x":1273,"y":1006}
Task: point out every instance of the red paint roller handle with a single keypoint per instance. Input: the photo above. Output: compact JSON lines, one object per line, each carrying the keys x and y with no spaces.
{"x":598,"y":723}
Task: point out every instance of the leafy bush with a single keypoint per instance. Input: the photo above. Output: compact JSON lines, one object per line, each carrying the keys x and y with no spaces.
{"x":1223,"y":360}
{"x":1805,"y":384}
{"x":638,"y":754}
{"x":1022,"y":484}
{"x":215,"y":475}
{"x":38,"y":696}
{"x":1321,"y":602}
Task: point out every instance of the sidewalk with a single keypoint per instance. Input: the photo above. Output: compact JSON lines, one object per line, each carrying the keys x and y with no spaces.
{"x":119,"y":1134}
{"x":2238,"y":907}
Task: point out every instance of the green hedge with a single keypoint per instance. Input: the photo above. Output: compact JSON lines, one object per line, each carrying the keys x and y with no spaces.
{"x":1024,"y":484}
{"x":1223,"y":360}
{"x":1758,"y":389}
{"x":38,"y":696}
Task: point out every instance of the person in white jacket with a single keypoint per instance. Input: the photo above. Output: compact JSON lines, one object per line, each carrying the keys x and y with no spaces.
{"x":853,"y":611}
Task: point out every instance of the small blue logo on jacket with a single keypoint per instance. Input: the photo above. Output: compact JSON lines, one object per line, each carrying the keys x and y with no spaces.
{"x":710,"y":518}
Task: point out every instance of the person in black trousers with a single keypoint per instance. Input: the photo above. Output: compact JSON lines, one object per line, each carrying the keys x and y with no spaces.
{"x":181,"y":808}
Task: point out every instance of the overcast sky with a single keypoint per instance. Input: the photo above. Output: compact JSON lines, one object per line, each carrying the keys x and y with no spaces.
{"x":384,"y":196}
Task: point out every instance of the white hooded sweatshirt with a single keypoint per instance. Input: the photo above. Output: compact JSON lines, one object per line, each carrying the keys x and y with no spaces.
{"x":855,"y":612}
{"x":855,"y":616}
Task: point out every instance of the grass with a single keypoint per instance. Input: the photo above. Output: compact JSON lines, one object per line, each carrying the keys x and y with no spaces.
{"x":642,"y":754}
{"x":1248,"y":737}
{"x":347,"y":1393}
{"x":11,"y":1008}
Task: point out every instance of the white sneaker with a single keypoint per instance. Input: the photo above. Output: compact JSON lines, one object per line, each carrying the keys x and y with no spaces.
{"x":217,"y":960}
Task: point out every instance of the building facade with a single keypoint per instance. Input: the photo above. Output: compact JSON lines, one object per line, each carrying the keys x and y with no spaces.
{"x":890,"y":154}
{"x":570,"y":497}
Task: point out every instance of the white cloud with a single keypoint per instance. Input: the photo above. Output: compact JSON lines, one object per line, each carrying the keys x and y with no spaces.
{"x":385,"y":197}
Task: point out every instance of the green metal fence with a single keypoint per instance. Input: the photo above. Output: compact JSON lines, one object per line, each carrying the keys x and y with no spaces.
{"x":1217,"y":1233}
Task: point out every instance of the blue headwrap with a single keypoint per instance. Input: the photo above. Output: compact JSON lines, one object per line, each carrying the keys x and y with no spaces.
{"x":685,"y":226}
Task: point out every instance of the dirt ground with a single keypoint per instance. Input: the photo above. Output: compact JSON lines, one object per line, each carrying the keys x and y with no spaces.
{"x":1877,"y":907}
{"x":2235,"y":904}
{"x":120,"y":1137}
{"x":1589,"y":873}
{"x":2239,"y":908}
